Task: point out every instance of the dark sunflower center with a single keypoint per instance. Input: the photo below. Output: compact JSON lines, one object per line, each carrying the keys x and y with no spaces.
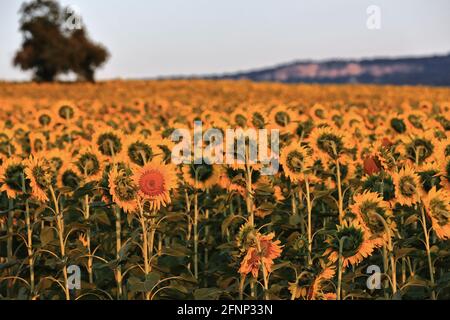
{"x":330,"y":144}
{"x":88,"y":164}
{"x":258,"y":120}
{"x":304,"y":129}
{"x":140,"y":153}
{"x":66,"y":112}
{"x":43,"y":176}
{"x":416,"y":121}
{"x":109,"y":144}
{"x":368,"y":209}
{"x":419,"y":149}
{"x":70,"y":179}
{"x":382,"y":185}
{"x":282,"y":118}
{"x":13,"y":177}
{"x":398,"y":125}
{"x":407,"y":186}
{"x":44,"y":120}
{"x":125,"y":189}
{"x":440,"y":212}
{"x":240,"y":120}
{"x":204,"y":171}
{"x":352,"y":242}
{"x":319,"y":113}
{"x":429,"y":179}
{"x":294,"y":161}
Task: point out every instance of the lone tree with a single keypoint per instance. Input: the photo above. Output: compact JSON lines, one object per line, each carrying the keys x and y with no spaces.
{"x":55,"y":42}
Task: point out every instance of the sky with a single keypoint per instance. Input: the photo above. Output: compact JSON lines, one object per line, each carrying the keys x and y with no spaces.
{"x":150,"y":38}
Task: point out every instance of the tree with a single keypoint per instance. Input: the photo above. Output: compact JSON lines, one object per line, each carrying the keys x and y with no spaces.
{"x":52,"y":47}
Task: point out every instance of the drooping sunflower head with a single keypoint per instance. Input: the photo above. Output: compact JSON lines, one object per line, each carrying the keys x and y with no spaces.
{"x":282,"y":118}
{"x":369,"y":209}
{"x":355,"y":244}
{"x":296,"y":160}
{"x":329,"y":143}
{"x":398,"y":124}
{"x":437,"y":204}
{"x":123,"y":190}
{"x":44,"y":119}
{"x":201,"y":175}
{"x":69,"y":177}
{"x":256,"y":117}
{"x":38,"y":142}
{"x":65,"y":110}
{"x":41,"y":176}
{"x":382,"y":184}
{"x":13,"y":178}
{"x":108,"y":141}
{"x":154,"y":182}
{"x":318,"y":112}
{"x":89,"y":163}
{"x":419,"y":148}
{"x":430,"y":176}
{"x":139,"y":150}
{"x":245,"y":237}
{"x":407,"y":186}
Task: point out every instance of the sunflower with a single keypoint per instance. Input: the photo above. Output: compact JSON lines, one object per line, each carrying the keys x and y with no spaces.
{"x":445,"y":172}
{"x":139,"y":150}
{"x":65,"y":110}
{"x":318,"y":112}
{"x":282,"y":118}
{"x":38,"y":141}
{"x":296,"y":160}
{"x":256,"y":117}
{"x":437,"y":204}
{"x":108,"y":141}
{"x":41,"y":177}
{"x":201,"y":176}
{"x":154,"y":181}
{"x":12,"y":177}
{"x":263,"y":251}
{"x":356,"y":244}
{"x":69,"y":177}
{"x":407,"y":184}
{"x":443,"y":148}
{"x":430,"y":176}
{"x":89,"y":163}
{"x":123,"y":190}
{"x":365,"y":208}
{"x":381,"y":183}
{"x":44,"y":119}
{"x":8,"y":147}
{"x":419,"y":148}
{"x":329,"y":143}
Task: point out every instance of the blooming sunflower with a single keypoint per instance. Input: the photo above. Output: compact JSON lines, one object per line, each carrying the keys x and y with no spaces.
{"x":437,"y":204}
{"x":430,"y":176}
{"x":41,"y":176}
{"x":407,"y":184}
{"x":123,"y":190}
{"x":365,"y":206}
{"x":263,"y":251}
{"x":296,"y":160}
{"x":356,"y":244}
{"x":154,"y":182}
{"x":38,"y":142}
{"x":12,"y":176}
{"x":329,"y":143}
{"x":44,"y":119}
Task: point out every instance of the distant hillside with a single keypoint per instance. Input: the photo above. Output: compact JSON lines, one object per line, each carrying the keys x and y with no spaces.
{"x":434,"y":71}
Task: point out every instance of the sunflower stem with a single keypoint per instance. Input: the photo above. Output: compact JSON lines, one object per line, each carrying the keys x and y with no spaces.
{"x":427,"y":247}
{"x":60,"y":228}
{"x":118,"y":247}
{"x":340,"y":199}
{"x":309,"y":208}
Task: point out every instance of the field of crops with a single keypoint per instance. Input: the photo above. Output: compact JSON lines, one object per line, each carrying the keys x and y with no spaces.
{"x":92,"y":205}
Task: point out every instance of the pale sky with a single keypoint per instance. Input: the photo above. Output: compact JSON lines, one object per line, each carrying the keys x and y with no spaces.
{"x":149,"y":38}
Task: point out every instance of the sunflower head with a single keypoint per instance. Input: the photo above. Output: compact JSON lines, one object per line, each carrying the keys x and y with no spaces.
{"x":201,"y":175}
{"x":41,"y":176}
{"x":13,"y":177}
{"x":69,"y":177}
{"x":296,"y":160}
{"x":329,"y":143}
{"x":90,"y":164}
{"x":419,"y":148}
{"x":380,"y":183}
{"x":437,"y":204}
{"x":154,"y":182}
{"x":123,"y":189}
{"x":407,"y":184}
{"x":139,"y":150}
{"x":108,"y":142}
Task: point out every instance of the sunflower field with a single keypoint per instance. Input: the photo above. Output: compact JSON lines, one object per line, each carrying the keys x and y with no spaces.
{"x":359,"y":208}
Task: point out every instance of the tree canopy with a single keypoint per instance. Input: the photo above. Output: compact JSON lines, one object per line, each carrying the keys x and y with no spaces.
{"x":55,"y":44}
